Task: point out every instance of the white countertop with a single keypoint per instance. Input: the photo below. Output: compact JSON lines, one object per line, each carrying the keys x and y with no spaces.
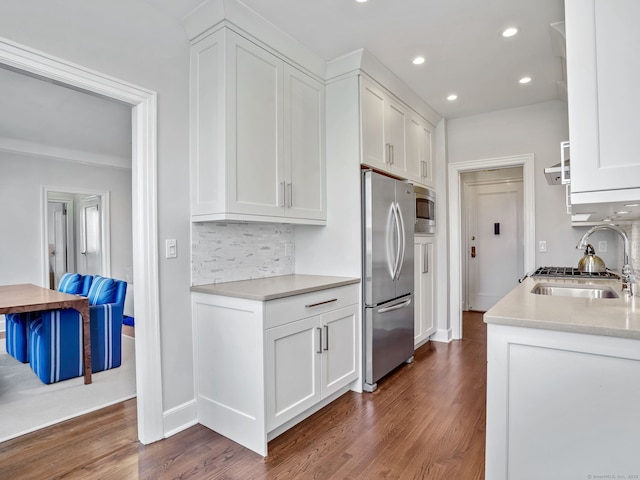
{"x":270,"y":288}
{"x":616,"y":317}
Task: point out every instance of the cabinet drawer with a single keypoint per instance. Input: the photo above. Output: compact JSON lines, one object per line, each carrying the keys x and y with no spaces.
{"x":285,"y":310}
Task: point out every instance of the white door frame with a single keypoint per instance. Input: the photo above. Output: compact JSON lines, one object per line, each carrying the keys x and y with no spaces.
{"x":455,"y":228}
{"x":105,"y":226}
{"x":144,"y":213}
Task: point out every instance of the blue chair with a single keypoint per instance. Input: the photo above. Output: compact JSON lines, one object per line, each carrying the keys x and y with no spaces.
{"x":17,"y":324}
{"x":55,"y":338}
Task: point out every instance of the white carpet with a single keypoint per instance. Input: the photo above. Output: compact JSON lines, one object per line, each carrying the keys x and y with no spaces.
{"x":27,"y":404}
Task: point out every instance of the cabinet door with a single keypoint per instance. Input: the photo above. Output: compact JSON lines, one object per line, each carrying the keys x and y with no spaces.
{"x":293,"y":354}
{"x":255,"y":179}
{"x":395,"y":136}
{"x":424,"y":321}
{"x":372,"y":114}
{"x":340,"y":349}
{"x":304,"y":146}
{"x":412,"y":164}
{"x":603,"y":74}
{"x":207,"y":124}
{"x":419,"y":164}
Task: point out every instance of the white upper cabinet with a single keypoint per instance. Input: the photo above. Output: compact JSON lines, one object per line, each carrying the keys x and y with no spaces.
{"x":419,"y":162}
{"x":395,"y":139}
{"x":304,"y":146}
{"x":257,"y":135}
{"x":603,"y":74}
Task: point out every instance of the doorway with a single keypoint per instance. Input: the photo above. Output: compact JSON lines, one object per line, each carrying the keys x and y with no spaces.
{"x":143,"y":105}
{"x":78,"y":233}
{"x":455,"y":170}
{"x":59,"y":239}
{"x":492,"y":231}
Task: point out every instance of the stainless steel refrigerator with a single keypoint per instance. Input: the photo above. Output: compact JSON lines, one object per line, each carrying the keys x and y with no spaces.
{"x":388,"y":227}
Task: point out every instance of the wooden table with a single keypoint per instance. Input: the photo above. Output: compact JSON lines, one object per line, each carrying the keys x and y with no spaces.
{"x":31,"y":298}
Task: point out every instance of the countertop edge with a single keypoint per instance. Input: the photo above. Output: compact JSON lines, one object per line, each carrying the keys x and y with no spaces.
{"x":562,"y":327}
{"x":236,"y":290}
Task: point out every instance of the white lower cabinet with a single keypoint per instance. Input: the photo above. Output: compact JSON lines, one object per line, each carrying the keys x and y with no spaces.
{"x":561,"y":405}
{"x":261,"y":367}
{"x":424,"y":295}
{"x":308,"y":360}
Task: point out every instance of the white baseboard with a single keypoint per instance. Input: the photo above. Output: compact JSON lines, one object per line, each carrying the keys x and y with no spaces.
{"x":442,"y":335}
{"x":180,"y":418}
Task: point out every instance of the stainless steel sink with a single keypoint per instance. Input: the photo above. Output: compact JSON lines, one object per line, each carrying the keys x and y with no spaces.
{"x":579,"y":291}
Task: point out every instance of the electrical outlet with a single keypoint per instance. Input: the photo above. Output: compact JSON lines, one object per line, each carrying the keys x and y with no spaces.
{"x":602,"y":246}
{"x":542,"y":246}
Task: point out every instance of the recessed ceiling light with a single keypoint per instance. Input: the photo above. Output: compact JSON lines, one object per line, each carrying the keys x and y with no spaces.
{"x":622,"y":212}
{"x":452,"y":97}
{"x":418,"y":60}
{"x":510,"y":32}
{"x":361,"y":1}
{"x":524,"y":80}
{"x":632,"y":204}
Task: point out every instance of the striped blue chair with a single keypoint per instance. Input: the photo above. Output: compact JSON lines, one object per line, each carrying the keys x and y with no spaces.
{"x":56,"y":338}
{"x":17,"y":324}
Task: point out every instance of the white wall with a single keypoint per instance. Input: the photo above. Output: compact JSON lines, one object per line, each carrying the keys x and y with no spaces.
{"x":132,"y":41}
{"x":21,"y":183}
{"x":536,"y":129}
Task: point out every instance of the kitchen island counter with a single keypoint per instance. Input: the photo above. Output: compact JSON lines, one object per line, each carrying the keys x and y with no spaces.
{"x":563,"y":384}
{"x":271,"y":288}
{"x":616,"y":317}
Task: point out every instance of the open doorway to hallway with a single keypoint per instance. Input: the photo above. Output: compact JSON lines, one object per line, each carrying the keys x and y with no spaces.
{"x":493,"y":237}
{"x":456,"y":239}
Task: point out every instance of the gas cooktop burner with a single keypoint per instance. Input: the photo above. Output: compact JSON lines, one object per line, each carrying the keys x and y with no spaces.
{"x":571,"y":272}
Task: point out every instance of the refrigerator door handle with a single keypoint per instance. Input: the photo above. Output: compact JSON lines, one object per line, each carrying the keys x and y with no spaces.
{"x":397,"y":306}
{"x":392,"y":254}
{"x":401,"y":240}
{"x":396,"y":221}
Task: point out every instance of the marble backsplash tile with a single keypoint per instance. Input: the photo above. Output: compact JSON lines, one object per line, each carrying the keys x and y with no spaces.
{"x":226,"y":252}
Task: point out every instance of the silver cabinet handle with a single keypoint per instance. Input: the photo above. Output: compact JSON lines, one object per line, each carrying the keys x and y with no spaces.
{"x":311,"y":305}
{"x":393,"y":155}
{"x":283,"y":193}
{"x":388,"y":160}
{"x":425,"y":258}
{"x":326,"y":337}
{"x":319,"y":340}
{"x":290,"y":195}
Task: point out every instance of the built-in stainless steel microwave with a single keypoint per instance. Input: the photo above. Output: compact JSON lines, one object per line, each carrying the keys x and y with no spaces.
{"x":425,"y":210}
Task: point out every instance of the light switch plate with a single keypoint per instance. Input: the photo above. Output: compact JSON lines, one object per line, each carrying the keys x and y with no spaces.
{"x":171,"y":247}
{"x":602,"y":246}
{"x":542,"y":246}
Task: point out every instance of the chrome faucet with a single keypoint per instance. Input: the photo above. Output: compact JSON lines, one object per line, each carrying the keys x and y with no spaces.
{"x":628,"y":277}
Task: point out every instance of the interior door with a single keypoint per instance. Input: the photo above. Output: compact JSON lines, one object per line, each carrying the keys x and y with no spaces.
{"x":90,"y":257}
{"x":495,"y":250}
{"x":57,"y":240}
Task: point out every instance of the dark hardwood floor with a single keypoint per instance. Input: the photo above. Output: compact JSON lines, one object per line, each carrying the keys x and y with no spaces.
{"x":425,"y":421}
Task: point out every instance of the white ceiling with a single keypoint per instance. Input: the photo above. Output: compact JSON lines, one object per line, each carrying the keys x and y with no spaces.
{"x":460,"y":40}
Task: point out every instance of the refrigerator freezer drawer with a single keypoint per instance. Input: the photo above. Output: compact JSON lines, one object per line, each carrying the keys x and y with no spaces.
{"x":388,"y":338}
